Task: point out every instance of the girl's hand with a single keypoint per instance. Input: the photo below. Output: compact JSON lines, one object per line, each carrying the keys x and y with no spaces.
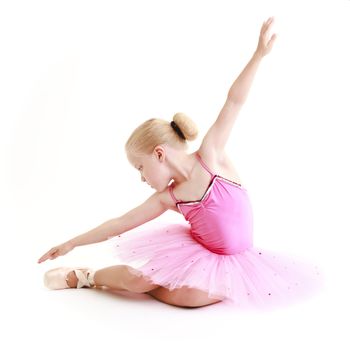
{"x":57,"y":251}
{"x":265,"y":42}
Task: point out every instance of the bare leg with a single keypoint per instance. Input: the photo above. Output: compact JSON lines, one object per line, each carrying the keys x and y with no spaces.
{"x":184,"y":296}
{"x":119,"y":277}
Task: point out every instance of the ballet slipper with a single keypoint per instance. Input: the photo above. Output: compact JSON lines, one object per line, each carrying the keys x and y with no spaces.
{"x":57,"y":278}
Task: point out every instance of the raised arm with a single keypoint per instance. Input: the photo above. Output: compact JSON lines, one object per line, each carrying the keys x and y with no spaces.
{"x":215,"y":139}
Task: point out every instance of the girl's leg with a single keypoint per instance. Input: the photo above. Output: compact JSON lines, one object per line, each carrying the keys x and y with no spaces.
{"x":119,"y":277}
{"x":184,"y":296}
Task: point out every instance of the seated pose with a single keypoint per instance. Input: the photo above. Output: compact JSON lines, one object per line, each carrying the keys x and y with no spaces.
{"x":211,"y":257}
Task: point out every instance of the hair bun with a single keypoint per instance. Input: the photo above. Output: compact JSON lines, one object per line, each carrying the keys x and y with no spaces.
{"x":185,"y":125}
{"x":178,"y":130}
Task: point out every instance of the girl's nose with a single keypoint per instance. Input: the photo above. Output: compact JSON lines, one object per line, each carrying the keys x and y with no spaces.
{"x":143,"y":179}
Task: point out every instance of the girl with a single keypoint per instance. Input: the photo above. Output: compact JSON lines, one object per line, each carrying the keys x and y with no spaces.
{"x":211,"y":259}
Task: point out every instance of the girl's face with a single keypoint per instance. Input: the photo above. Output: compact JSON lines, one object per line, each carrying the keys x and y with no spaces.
{"x":153,"y":169}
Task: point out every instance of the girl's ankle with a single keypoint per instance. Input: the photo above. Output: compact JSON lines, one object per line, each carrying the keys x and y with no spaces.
{"x":72,"y":280}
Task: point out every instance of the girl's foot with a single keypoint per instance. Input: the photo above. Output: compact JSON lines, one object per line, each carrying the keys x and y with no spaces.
{"x":72,"y":279}
{"x":66,"y":277}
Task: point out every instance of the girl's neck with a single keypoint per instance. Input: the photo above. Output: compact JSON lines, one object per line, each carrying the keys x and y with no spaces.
{"x":181,"y":165}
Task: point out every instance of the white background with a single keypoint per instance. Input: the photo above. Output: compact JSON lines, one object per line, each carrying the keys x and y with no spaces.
{"x":77,"y":77}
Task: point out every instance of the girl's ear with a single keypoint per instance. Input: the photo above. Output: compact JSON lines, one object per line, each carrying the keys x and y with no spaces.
{"x":159,"y":152}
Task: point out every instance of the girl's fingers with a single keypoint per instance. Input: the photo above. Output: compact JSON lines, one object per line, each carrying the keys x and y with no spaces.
{"x":47,"y":255}
{"x":267,"y":23}
{"x":43,"y":258}
{"x":262,"y":28}
{"x":270,"y":43}
{"x":265,"y":29}
{"x":269,"y":20}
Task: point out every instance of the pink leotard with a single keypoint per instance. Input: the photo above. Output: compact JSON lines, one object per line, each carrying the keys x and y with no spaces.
{"x":222,"y":219}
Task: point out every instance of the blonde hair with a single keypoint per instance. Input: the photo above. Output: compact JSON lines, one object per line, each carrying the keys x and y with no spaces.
{"x":156,"y":131}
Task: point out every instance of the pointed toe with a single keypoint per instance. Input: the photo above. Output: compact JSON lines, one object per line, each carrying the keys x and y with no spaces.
{"x":56,"y":278}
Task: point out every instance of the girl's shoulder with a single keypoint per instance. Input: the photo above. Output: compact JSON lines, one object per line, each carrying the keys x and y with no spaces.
{"x":194,"y":189}
{"x":167,"y":200}
{"x":220,"y":164}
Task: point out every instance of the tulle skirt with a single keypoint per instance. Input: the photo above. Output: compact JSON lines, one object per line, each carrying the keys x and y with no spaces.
{"x":167,"y":255}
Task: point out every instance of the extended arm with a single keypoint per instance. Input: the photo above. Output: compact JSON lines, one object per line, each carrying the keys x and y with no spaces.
{"x":150,"y":209}
{"x":215,"y":139}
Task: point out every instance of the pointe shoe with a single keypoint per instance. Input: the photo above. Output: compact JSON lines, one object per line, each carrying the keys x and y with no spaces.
{"x":57,"y":278}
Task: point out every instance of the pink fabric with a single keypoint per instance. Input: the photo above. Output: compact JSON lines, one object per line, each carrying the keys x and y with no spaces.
{"x":214,"y":252}
{"x":222,"y":220}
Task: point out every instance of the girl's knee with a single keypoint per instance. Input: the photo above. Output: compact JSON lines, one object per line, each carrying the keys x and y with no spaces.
{"x":136,"y":282}
{"x":183,"y":297}
{"x":192,"y":297}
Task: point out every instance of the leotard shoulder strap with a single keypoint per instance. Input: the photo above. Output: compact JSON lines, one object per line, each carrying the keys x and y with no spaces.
{"x":204,"y":165}
{"x":170,"y":187}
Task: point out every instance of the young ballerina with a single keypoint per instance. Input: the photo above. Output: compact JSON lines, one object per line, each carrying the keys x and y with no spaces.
{"x":211,"y":258}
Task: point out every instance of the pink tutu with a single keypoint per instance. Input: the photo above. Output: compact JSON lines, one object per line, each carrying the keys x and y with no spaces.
{"x":168,"y":255}
{"x":214,"y":251}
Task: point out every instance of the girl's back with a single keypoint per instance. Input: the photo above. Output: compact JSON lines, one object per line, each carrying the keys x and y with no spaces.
{"x":196,"y":186}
